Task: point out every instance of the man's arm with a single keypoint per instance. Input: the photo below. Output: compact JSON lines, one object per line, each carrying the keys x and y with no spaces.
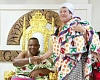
{"x":40,"y":72}
{"x":20,"y":60}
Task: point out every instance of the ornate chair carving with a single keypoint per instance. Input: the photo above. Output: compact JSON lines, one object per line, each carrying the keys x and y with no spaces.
{"x":37,"y":24}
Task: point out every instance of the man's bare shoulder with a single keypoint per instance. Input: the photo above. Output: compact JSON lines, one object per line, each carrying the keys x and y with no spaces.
{"x":22,"y":54}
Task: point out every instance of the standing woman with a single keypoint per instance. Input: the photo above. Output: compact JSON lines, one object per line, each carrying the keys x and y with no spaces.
{"x":71,"y":56}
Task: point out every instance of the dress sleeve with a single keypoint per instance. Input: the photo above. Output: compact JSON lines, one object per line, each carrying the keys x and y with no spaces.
{"x":93,"y":39}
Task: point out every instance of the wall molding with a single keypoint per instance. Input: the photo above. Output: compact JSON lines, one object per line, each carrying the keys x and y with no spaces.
{"x":8,"y":55}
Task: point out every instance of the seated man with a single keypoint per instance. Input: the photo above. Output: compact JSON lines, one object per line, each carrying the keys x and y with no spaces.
{"x":25,"y":67}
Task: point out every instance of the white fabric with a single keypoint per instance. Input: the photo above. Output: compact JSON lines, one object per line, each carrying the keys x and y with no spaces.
{"x":69,"y":6}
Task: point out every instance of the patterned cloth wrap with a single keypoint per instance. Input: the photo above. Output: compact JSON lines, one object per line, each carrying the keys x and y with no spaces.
{"x":69,"y":46}
{"x":23,"y":72}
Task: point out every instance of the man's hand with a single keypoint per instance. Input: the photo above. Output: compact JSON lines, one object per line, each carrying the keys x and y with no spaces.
{"x":40,"y":72}
{"x":34,"y":74}
{"x":35,"y":59}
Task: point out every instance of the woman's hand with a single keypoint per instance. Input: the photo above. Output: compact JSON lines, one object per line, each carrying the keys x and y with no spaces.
{"x":96,"y":56}
{"x":79,"y":28}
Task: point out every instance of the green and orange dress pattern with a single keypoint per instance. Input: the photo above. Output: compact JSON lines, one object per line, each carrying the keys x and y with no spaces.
{"x":69,"y":46}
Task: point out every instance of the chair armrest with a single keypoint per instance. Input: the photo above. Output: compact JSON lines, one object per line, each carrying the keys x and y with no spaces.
{"x":8,"y":75}
{"x":53,"y":76}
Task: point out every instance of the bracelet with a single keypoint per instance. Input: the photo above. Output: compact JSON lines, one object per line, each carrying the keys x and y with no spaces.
{"x":29,"y":59}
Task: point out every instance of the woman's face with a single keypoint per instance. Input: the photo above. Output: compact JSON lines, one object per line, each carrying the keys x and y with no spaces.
{"x":64,"y":14}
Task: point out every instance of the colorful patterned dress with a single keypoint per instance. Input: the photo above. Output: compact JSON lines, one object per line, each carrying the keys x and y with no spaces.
{"x":23,"y":72}
{"x":70,"y":46}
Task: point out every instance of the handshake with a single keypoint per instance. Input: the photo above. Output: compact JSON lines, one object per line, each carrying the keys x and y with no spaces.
{"x":35,"y":60}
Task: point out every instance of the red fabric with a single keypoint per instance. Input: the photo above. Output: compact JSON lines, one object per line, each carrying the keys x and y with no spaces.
{"x":96,"y":71}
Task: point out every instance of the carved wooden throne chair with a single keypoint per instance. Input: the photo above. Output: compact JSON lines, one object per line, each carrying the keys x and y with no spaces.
{"x":38,"y":24}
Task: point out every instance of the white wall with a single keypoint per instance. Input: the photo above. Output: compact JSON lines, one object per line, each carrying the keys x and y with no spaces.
{"x":78,"y":1}
{"x":95,"y":14}
{"x":5,"y":67}
{"x":31,"y":1}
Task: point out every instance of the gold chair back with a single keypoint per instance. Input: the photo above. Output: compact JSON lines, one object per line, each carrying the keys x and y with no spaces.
{"x":37,"y":24}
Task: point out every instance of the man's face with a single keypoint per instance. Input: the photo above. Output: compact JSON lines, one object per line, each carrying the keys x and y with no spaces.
{"x":33,"y":46}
